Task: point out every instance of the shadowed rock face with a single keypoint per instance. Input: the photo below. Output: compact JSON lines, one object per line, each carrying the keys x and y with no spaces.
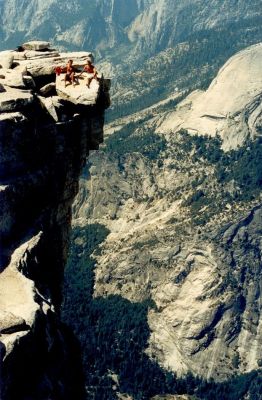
{"x":44,"y":143}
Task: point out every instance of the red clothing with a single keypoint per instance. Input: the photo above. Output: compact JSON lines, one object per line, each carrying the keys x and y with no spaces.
{"x":89,"y":68}
{"x":58,"y":70}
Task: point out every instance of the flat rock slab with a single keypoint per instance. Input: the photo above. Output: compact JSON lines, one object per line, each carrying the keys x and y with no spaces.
{"x":78,"y":55}
{"x":79,"y":94}
{"x":32,"y":54}
{"x":45,"y":65}
{"x":36,"y":45}
{"x":12,"y":78}
{"x":7,"y":117}
{"x":10,"y":322}
{"x":14,"y":99}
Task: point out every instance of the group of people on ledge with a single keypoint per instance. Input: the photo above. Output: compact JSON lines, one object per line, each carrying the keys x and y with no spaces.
{"x":70,"y":73}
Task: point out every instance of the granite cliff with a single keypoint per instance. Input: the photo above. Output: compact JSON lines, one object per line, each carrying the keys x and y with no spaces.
{"x":46,"y":132}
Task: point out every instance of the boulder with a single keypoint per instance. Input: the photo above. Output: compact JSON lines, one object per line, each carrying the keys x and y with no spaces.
{"x":6,"y":59}
{"x":12,"y":78}
{"x":36,"y":45}
{"x":47,"y":89}
{"x":29,"y":82}
{"x":19,"y":55}
{"x":14,"y":99}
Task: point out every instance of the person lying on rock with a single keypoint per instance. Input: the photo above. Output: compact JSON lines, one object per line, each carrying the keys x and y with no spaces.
{"x":91,"y":71}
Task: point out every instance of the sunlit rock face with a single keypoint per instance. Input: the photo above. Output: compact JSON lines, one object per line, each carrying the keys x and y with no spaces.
{"x":230,"y":108}
{"x":199,"y":262}
{"x":44,"y":140}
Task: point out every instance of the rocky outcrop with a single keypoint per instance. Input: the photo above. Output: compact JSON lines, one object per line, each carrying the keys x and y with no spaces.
{"x":230,"y":108}
{"x":44,"y":141}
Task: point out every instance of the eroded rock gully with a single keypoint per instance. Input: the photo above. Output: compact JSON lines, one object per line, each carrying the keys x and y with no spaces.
{"x":45,"y":137}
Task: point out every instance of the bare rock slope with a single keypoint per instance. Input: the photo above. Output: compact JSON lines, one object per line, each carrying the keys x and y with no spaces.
{"x":231,"y":107}
{"x":183,"y":234}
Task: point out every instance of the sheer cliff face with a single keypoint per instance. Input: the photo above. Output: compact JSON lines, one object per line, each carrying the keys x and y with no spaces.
{"x":135,"y":25}
{"x":44,"y":139}
{"x":185,"y":221}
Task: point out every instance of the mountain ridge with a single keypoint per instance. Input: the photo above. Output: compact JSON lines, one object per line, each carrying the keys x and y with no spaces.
{"x":149,"y":26}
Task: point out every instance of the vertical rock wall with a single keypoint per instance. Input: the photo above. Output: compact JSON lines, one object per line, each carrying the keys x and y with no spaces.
{"x":44,"y":142}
